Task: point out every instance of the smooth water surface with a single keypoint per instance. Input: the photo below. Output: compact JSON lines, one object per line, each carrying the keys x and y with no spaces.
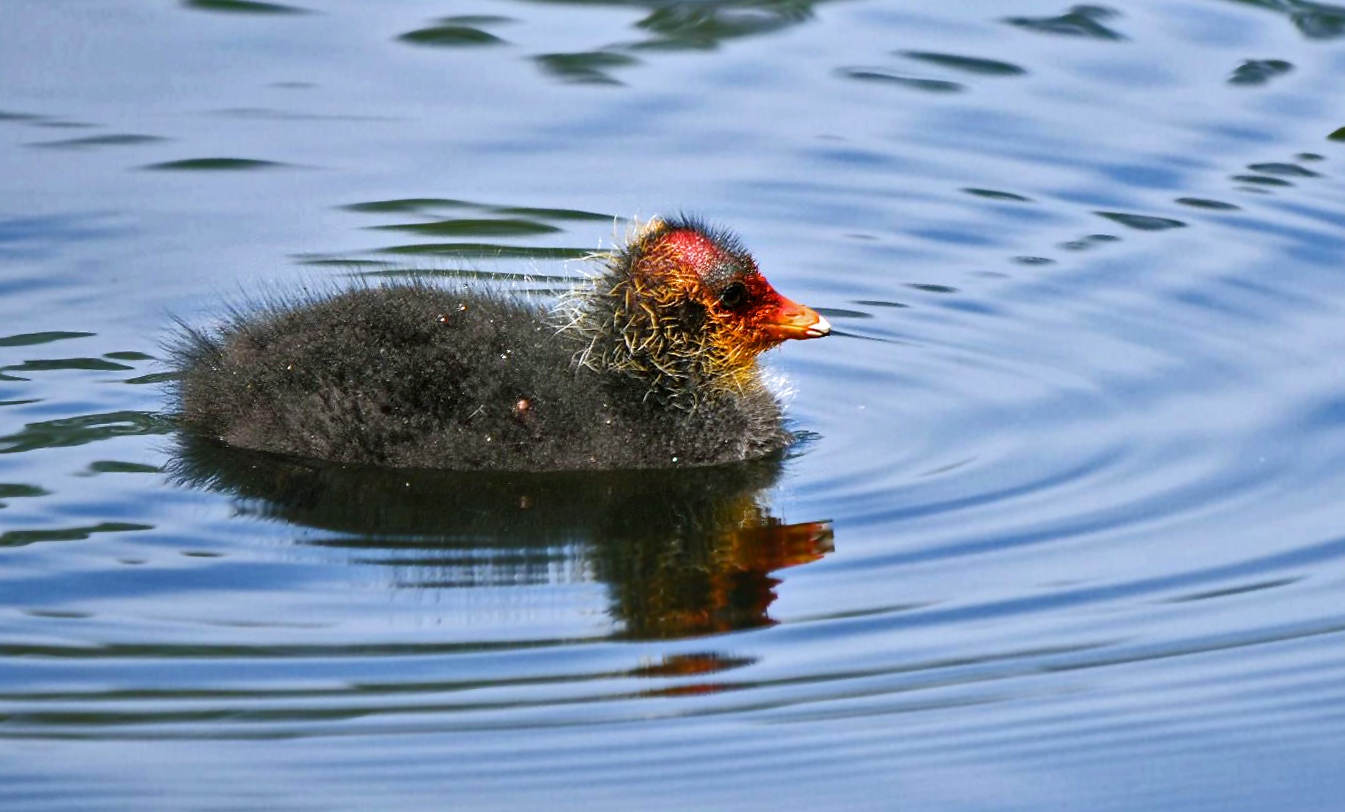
{"x":1063,"y":529}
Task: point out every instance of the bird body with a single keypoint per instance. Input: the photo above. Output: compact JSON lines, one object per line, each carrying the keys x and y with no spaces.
{"x":651,"y":365}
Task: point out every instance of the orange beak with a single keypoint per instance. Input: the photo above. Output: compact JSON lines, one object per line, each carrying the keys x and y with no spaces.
{"x":793,"y":320}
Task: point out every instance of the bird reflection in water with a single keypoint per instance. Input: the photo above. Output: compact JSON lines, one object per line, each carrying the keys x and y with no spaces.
{"x":683,"y":552}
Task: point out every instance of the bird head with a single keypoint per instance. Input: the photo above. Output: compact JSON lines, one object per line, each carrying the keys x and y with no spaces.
{"x":686,"y":305}
{"x":686,"y":268}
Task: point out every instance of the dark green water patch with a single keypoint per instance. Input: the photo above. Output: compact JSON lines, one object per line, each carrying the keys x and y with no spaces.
{"x":22,"y":538}
{"x":57,"y":614}
{"x":72,"y":431}
{"x":112,"y":140}
{"x":1338,"y":135}
{"x":11,"y":490}
{"x":586,"y":67}
{"x":1141,"y":222}
{"x":1232,"y":591}
{"x":128,"y":356}
{"x":29,"y":339}
{"x":53,"y":364}
{"x":1089,"y":242}
{"x":429,"y":206}
{"x":883,"y":76}
{"x":352,"y":263}
{"x":1254,"y":72}
{"x":1203,"y":203}
{"x":117,"y":467}
{"x":214,"y":165}
{"x":1079,"y":21}
{"x":1261,"y":180}
{"x":477,"y":19}
{"x":410,"y":204}
{"x":474,"y":228}
{"x":1313,"y":20}
{"x":242,"y":7}
{"x":553,"y":214}
{"x":454,"y":32}
{"x":992,"y":194}
{"x":702,"y":26}
{"x":966,"y":64}
{"x":1283,"y":170}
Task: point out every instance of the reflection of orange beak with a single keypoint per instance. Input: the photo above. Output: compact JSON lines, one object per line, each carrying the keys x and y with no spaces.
{"x":775,"y":546}
{"x":793,"y":320}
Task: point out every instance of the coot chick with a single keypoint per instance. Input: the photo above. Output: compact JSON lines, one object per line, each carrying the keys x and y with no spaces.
{"x":652,"y":364}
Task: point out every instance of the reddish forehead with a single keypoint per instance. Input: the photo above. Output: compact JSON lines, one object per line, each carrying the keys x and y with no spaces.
{"x":695,"y":250}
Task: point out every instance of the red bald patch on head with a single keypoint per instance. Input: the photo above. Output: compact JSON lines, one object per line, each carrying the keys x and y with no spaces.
{"x":694,"y":250}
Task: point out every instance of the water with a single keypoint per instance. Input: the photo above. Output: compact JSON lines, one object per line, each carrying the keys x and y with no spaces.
{"x":1064,"y":533}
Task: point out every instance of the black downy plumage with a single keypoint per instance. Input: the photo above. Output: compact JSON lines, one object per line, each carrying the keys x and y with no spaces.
{"x":652,"y":364}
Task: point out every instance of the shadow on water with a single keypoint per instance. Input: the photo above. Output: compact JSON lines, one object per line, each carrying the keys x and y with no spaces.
{"x":682,"y":552}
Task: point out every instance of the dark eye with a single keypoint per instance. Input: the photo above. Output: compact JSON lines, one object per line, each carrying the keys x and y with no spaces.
{"x":734,"y":295}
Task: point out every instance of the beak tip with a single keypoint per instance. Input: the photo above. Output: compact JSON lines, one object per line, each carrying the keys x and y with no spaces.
{"x":821,"y":328}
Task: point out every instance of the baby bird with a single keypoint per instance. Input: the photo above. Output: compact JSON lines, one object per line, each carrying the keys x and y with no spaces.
{"x":652,"y":364}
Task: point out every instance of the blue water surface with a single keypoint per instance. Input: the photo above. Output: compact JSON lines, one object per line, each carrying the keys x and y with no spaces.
{"x":1063,"y":529}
